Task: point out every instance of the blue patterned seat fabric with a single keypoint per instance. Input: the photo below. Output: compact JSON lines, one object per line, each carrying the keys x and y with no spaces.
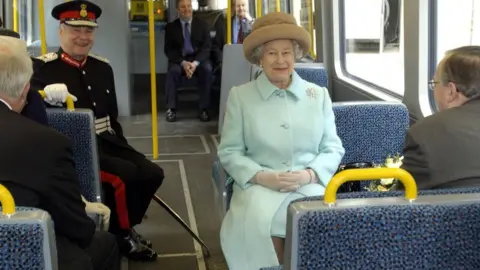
{"x":27,"y":240}
{"x":312,"y":72}
{"x":391,"y":237}
{"x":273,"y":268}
{"x":370,"y":131}
{"x":313,"y":253}
{"x":356,"y":195}
{"x":79,"y":127}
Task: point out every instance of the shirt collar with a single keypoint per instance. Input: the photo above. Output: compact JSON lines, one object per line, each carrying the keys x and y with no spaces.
{"x":6,"y":103}
{"x":187,"y":21}
{"x":266,"y":88}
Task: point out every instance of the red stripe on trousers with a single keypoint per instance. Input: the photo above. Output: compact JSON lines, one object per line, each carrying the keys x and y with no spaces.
{"x":120,"y":197}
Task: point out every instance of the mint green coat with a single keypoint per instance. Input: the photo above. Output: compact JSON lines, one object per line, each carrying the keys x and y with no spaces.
{"x":267,"y":128}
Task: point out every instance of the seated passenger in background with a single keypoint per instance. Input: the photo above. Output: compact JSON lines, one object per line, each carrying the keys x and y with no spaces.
{"x":34,"y":107}
{"x":442,"y":150}
{"x":241,"y":27}
{"x":188,"y":48}
{"x":279,"y":143}
{"x":37,"y":167}
{"x":128,"y":178}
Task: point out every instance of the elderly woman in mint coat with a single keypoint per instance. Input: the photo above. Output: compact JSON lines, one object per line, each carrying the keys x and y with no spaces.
{"x":279,"y":143}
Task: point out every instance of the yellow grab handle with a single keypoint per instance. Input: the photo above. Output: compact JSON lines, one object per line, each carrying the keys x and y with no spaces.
{"x":8,"y":204}
{"x":69,"y":100}
{"x":368,"y":174}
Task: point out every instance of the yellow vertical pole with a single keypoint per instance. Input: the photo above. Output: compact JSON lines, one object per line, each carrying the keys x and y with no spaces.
{"x":310,"y":26}
{"x":229,"y":22}
{"x":41,"y":16}
{"x":277,"y":6}
{"x":15,"y":15}
{"x":259,"y":8}
{"x":153,"y":77}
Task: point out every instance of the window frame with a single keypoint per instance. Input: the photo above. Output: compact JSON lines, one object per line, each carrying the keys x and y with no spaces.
{"x":432,"y":57}
{"x":343,"y":56}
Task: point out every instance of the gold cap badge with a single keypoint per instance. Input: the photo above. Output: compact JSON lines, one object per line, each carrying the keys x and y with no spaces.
{"x":83,"y":12}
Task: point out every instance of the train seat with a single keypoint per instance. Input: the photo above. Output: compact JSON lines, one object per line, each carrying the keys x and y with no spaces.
{"x":370,"y":131}
{"x":431,"y":232}
{"x":79,"y":127}
{"x":27,"y":240}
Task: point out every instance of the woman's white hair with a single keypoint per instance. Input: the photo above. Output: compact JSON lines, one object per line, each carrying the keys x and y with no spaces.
{"x":15,"y":66}
{"x":258,"y":51}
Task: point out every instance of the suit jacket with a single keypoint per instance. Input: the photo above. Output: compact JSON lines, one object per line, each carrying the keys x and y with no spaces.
{"x":200,"y":39}
{"x":37,"y":167}
{"x":442,"y":150}
{"x":35,"y":108}
{"x":221,"y":36}
{"x":273,"y":130}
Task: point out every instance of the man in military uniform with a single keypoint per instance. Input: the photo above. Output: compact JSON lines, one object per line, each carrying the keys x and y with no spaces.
{"x":129,"y":179}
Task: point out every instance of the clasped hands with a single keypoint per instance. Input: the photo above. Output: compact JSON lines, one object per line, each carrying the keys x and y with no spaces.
{"x":189,"y":68}
{"x":284,"y":181}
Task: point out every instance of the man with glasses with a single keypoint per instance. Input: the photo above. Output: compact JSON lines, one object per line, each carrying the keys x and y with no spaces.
{"x":129,"y":179}
{"x":441,"y":151}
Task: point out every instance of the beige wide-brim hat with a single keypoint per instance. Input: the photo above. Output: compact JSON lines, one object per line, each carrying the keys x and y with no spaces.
{"x":274,"y":26}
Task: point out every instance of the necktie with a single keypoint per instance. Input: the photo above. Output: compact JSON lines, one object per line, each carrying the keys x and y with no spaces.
{"x":187,"y":44}
{"x":240,"y":33}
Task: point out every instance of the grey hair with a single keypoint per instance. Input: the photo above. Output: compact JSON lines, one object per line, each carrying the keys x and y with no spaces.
{"x":258,"y":51}
{"x":15,"y":66}
{"x":461,"y":66}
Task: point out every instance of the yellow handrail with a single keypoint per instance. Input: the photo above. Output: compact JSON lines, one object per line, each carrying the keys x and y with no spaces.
{"x":153,"y":78}
{"x":311,"y":26}
{"x":69,"y":100}
{"x":229,"y":23}
{"x":41,"y":17}
{"x":368,"y":174}
{"x":277,"y":6}
{"x":259,"y":9}
{"x":8,"y":203}
{"x":15,"y":15}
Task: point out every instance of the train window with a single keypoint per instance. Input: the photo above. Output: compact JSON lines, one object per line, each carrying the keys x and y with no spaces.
{"x":463,"y":30}
{"x":450,"y":34}
{"x":372,"y":47}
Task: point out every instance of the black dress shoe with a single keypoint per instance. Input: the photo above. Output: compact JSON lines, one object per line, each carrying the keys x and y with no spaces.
{"x":171,"y":115}
{"x":135,"y":251}
{"x":204,"y":117}
{"x":135,"y":235}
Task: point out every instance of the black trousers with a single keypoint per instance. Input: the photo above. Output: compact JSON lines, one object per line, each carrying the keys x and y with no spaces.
{"x":205,"y":79}
{"x":102,"y":254}
{"x":129,"y":182}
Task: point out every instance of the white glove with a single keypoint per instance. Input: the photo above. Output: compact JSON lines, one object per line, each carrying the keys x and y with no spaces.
{"x":300,"y":178}
{"x":56,"y":94}
{"x":100,"y":209}
{"x":272,"y":181}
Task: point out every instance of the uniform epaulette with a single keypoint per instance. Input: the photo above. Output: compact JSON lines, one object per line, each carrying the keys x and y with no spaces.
{"x":48,"y":57}
{"x":99,"y":58}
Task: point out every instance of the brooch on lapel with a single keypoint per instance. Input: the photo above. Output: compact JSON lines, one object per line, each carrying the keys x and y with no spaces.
{"x":311,"y":93}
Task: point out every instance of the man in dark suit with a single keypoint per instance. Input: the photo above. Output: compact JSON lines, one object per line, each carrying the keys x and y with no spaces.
{"x":242,"y":24}
{"x":35,"y":107}
{"x":45,"y":177}
{"x":442,"y":150}
{"x":188,"y":48}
